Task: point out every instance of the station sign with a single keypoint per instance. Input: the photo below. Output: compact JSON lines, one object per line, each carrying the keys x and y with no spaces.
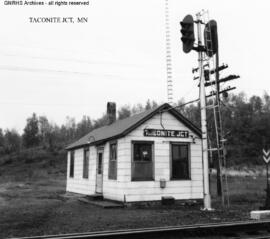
{"x":166,"y":133}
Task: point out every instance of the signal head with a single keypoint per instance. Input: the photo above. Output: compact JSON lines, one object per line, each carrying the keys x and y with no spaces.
{"x":211,"y":38}
{"x":187,"y":30}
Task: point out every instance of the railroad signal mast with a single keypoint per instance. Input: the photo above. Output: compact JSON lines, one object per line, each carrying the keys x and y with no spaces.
{"x":208,"y":75}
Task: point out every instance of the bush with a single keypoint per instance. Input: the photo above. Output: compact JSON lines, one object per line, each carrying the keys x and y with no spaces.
{"x":33,"y":155}
{"x":6,"y":159}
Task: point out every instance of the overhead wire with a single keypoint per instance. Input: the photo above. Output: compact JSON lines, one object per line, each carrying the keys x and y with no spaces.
{"x":79,"y":73}
{"x":73,"y":60}
{"x":41,"y":104}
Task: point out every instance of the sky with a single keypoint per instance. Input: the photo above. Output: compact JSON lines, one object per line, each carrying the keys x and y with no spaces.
{"x":60,"y":70}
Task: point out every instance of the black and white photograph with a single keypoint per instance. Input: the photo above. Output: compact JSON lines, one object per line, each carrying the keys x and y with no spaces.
{"x":134,"y":119}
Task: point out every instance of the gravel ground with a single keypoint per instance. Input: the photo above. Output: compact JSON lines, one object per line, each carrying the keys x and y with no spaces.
{"x":36,"y":206}
{"x":42,"y":211}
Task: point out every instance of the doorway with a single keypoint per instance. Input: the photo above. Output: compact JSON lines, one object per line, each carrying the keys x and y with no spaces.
{"x":99,"y":173}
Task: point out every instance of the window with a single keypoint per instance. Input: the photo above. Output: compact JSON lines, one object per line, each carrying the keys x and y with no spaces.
{"x":180,"y":161}
{"x":113,"y":161}
{"x":85,"y":162}
{"x":142,"y":163}
{"x":100,"y":159}
{"x":71,"y":164}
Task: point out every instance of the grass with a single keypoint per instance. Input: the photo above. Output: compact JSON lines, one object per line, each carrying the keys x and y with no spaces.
{"x":31,"y":203}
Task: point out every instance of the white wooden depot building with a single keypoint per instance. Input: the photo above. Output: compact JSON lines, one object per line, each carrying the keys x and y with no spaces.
{"x":141,"y":158}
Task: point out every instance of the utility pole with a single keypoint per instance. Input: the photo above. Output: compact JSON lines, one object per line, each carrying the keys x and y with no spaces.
{"x":211,"y":44}
{"x":207,"y":198}
{"x":188,"y":39}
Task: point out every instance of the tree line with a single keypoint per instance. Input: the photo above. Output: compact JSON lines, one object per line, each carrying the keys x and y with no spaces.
{"x":39,"y":132}
{"x":246,"y":123}
{"x":246,"y":126}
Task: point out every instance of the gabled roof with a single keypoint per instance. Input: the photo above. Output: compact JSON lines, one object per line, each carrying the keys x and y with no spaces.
{"x":120,"y":128}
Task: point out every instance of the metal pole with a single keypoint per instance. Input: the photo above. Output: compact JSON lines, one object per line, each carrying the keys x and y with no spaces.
{"x":207,"y":198}
{"x":267,"y":176}
{"x":267,"y":201}
{"x":220,"y":145}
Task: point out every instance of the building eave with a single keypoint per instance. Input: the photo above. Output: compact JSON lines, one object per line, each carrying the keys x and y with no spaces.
{"x":163,"y":108}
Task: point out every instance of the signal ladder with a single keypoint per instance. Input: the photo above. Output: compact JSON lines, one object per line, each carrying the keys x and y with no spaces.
{"x":222,"y":182}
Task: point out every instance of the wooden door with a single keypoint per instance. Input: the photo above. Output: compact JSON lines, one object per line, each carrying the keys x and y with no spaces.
{"x":99,"y":173}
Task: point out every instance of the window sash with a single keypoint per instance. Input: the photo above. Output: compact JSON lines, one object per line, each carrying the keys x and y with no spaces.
{"x":112,"y":174}
{"x":100,"y":163}
{"x":71,"y":165}
{"x":142,"y":171}
{"x":113,"y":151}
{"x":142,"y":152}
{"x":180,"y":161}
{"x":142,"y":164}
{"x":86,"y":163}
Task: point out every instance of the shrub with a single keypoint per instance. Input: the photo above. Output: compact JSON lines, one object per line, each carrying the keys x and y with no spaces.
{"x":33,"y":155}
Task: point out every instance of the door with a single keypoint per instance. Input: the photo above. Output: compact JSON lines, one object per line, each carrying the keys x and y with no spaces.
{"x":99,"y":174}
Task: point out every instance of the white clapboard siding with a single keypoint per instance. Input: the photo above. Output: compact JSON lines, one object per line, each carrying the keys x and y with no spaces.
{"x":123,"y":189}
{"x":196,"y":165}
{"x":78,"y":184}
{"x":168,"y":190}
{"x":155,"y":197}
{"x":155,"y":183}
{"x":150,"y":190}
{"x":112,"y":189}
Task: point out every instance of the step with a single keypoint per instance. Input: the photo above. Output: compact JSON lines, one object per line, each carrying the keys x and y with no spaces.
{"x":95,"y":197}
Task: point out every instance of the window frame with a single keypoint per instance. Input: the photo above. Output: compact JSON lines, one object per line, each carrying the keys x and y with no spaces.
{"x":71,"y":165}
{"x":100,"y":150}
{"x":85,"y":174}
{"x":189,"y":161}
{"x":114,"y":176}
{"x":152,"y":143}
